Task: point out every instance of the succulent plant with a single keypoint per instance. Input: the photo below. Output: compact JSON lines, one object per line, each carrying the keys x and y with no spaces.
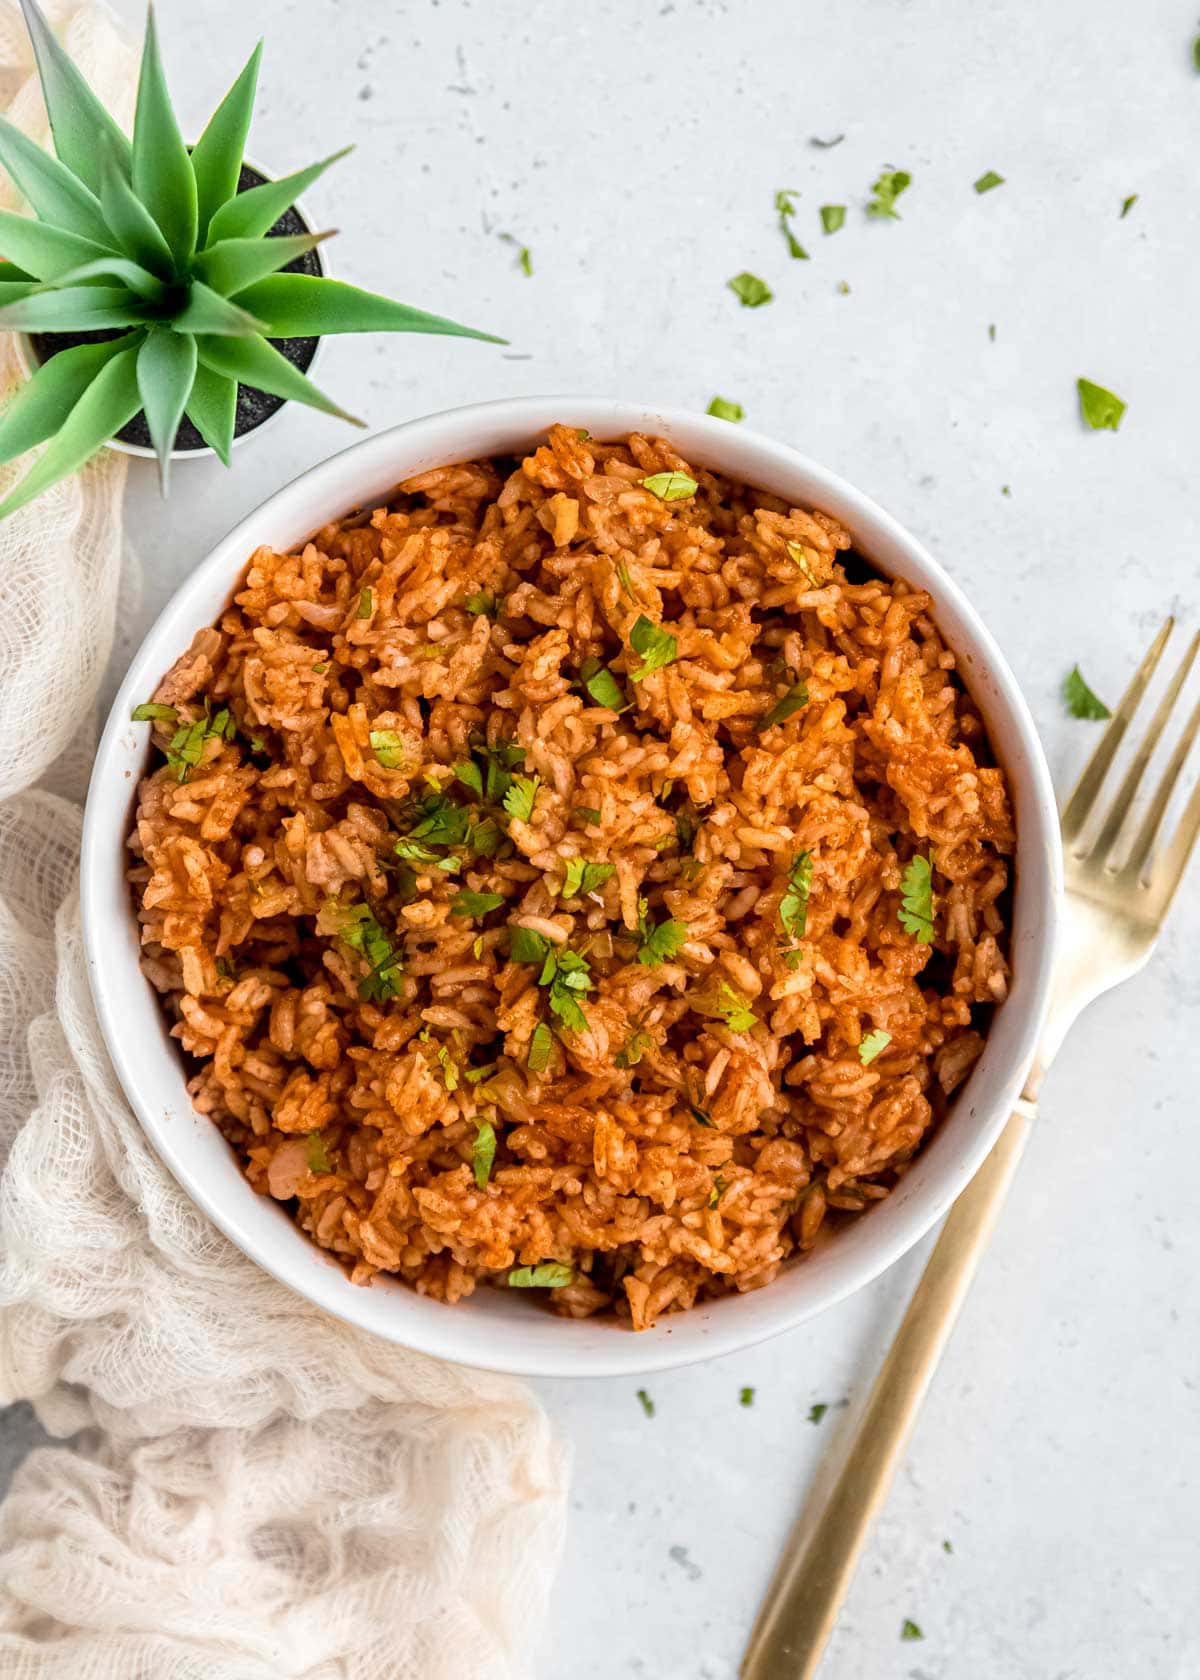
{"x":150,"y":242}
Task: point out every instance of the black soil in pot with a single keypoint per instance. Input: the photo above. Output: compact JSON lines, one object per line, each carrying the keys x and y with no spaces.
{"x":253,"y":407}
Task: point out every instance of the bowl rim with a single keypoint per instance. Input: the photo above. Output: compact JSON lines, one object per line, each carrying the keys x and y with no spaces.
{"x":458,"y":1334}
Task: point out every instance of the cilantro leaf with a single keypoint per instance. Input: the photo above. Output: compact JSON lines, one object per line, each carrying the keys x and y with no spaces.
{"x":750,"y":291}
{"x":540,"y":1047}
{"x":475,"y":903}
{"x":581,"y":878}
{"x":1081,"y":701}
{"x":568,"y":977}
{"x":793,"y":906}
{"x":645,"y":1402}
{"x":886,"y":190}
{"x":448,"y":1066}
{"x":316,"y":1154}
{"x":910,"y":1630}
{"x":989,"y":180}
{"x":658,"y":942}
{"x":785,"y":209}
{"x":471,"y":776}
{"x":916,"y":900}
{"x":549,"y":1275}
{"x":833,"y":217}
{"x":657,"y":647}
{"x":635,"y":1047}
{"x":366,"y":604}
{"x":483,"y":1153}
{"x":526,"y":946}
{"x":800,"y":555}
{"x":817,"y":1412}
{"x":717,"y":1191}
{"x":1101,"y":409}
{"x":699,"y":1116}
{"x":518,"y":801}
{"x":1127,"y":205}
{"x":721,"y":409}
{"x":588,"y":814}
{"x":356,"y":927}
{"x":792,"y":702}
{"x":746,"y":1397}
{"x":153,"y":711}
{"x":729,"y":1007}
{"x":602,"y":685}
{"x":482,"y":604}
{"x":440,"y":820}
{"x":872,"y":1045}
{"x":388,"y":747}
{"x":670,"y":486}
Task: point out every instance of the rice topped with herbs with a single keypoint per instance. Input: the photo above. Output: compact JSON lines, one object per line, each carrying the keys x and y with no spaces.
{"x":580,"y":874}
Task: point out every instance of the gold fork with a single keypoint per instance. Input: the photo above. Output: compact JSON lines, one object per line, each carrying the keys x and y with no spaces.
{"x":1116,"y":903}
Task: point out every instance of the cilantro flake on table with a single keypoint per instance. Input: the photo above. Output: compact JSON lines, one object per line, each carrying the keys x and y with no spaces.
{"x":722,"y":409}
{"x":645,"y":1402}
{"x":746,"y":1397}
{"x":910,"y":1630}
{"x":988,"y":181}
{"x":1101,"y":410}
{"x":1081,"y":701}
{"x":750,"y":291}
{"x":1127,"y":205}
{"x":785,"y":209}
{"x":817,"y":1412}
{"x":885,"y":191}
{"x":833,"y":217}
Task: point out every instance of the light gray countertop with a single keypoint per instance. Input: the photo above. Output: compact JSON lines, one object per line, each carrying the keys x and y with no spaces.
{"x":636,"y":149}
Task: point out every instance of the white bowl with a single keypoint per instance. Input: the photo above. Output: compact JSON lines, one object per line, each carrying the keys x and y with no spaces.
{"x":496,"y":1329}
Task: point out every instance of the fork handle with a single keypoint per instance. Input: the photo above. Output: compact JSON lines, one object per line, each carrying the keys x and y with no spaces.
{"x":822,"y":1552}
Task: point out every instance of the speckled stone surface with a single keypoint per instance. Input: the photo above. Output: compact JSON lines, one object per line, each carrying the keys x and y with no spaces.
{"x":636,"y":149}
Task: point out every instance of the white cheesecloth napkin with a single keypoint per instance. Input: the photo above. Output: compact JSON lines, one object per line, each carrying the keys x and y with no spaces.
{"x":260,"y":1491}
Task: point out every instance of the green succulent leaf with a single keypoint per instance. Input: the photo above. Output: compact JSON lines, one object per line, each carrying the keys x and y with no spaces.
{"x":73,"y":309}
{"x":166,"y":367}
{"x":55,"y":194}
{"x":43,"y":403}
{"x":207,"y":311}
{"x":252,"y":213}
{"x":307,"y":306}
{"x":123,"y":269}
{"x":133,"y":227}
{"x":43,"y":250}
{"x":253,"y":361}
{"x":109,"y":402}
{"x":234,"y":264}
{"x":217,"y":155}
{"x":162,"y":169}
{"x":212,"y":409}
{"x":10,"y":274}
{"x":76,"y":115}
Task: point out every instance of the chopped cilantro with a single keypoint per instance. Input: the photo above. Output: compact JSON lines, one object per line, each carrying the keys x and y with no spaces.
{"x":475,"y":903}
{"x":636,"y":1045}
{"x":471,"y":776}
{"x":646,"y":1403}
{"x":717,"y":1191}
{"x":626,"y":582}
{"x":366,"y":604}
{"x":524,"y":257}
{"x":658,"y":942}
{"x":800,"y":555}
{"x":1127,"y":205}
{"x":316,"y":1154}
{"x":670,"y":486}
{"x":1081,"y":701}
{"x":792,"y":702}
{"x":483,"y":1153}
{"x":657,"y":647}
{"x":540,"y":1046}
{"x":916,"y":900}
{"x":722,"y":409}
{"x":793,"y":906}
{"x":413,"y":851}
{"x":449,"y":1067}
{"x":225,"y":969}
{"x":730,"y":1008}
{"x":187,"y":747}
{"x":602,"y":685}
{"x":785,"y":209}
{"x":910,"y":1630}
{"x":588,"y":814}
{"x":817,"y":1412}
{"x":477,"y":1075}
{"x":549,"y":1275}
{"x":356,"y":927}
{"x":873,"y":1045}
{"x":886,"y":190}
{"x":518,"y":800}
{"x":989,"y":180}
{"x":746,"y":1397}
{"x":388,"y":747}
{"x":526,"y":946}
{"x":502,"y":759}
{"x":440,"y":820}
{"x":833,"y":217}
{"x":947,"y":1547}
{"x":568,"y":978}
{"x":581,"y":878}
{"x":699,"y":1116}
{"x":483,"y":604}
{"x":321,"y":667}
{"x":153,"y":711}
{"x":1101,"y":410}
{"x":485,"y":838}
{"x":750,"y":291}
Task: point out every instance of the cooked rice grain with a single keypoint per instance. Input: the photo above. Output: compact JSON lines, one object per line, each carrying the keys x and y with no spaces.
{"x":659,"y":1152}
